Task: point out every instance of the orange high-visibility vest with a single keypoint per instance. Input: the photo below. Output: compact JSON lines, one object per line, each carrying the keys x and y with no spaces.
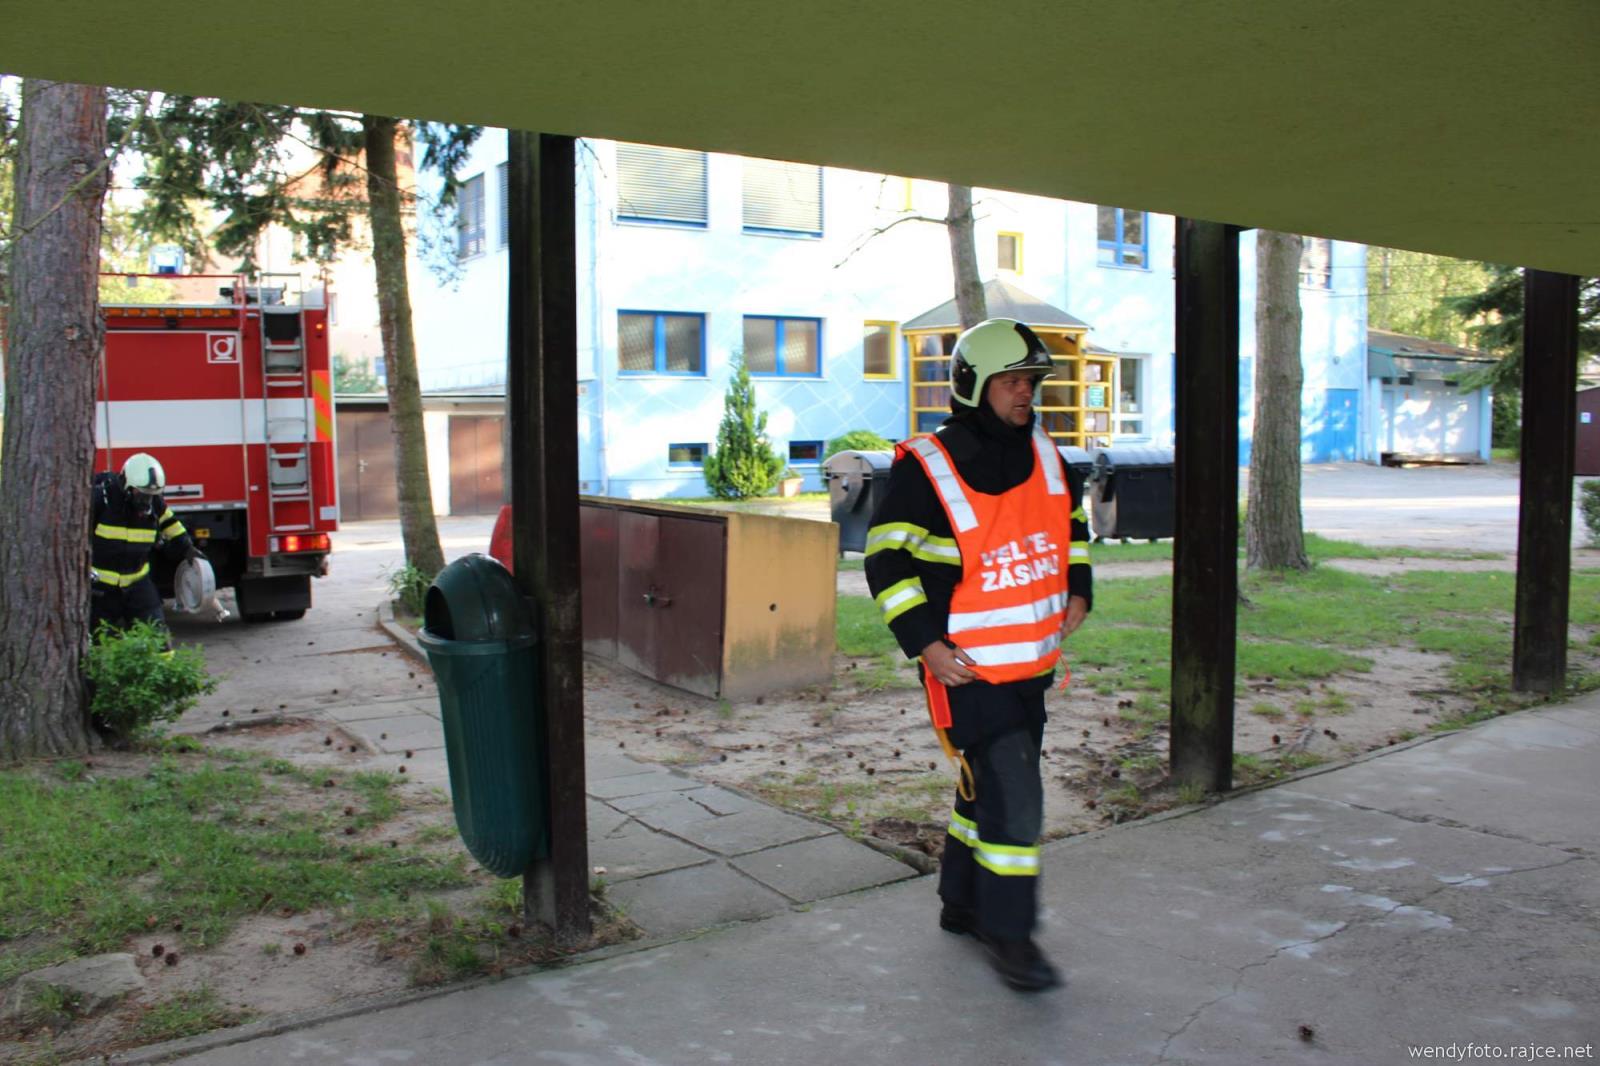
{"x":1009,"y":605}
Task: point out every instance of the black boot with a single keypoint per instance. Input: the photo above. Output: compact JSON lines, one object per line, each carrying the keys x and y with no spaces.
{"x":1022,"y":965}
{"x":957,"y":920}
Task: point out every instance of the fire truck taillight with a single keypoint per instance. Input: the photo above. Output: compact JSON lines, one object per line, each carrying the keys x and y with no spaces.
{"x":301,"y":542}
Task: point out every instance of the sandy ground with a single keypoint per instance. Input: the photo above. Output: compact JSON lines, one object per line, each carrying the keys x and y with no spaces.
{"x":860,"y":751}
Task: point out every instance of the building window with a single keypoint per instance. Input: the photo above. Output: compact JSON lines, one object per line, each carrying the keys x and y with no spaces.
{"x":686,"y":454}
{"x":805,"y":452}
{"x":503,"y":172}
{"x":661,"y":185}
{"x":877,"y":350}
{"x":380,"y":370}
{"x":1131,"y":396}
{"x":1123,"y":238}
{"x":787,"y":347}
{"x":469,"y":217}
{"x":782,"y":198}
{"x":1009,"y":252}
{"x":1316,"y":262}
{"x":658,"y":342}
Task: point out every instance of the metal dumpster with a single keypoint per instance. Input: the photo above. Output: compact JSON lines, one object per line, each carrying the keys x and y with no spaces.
{"x":856,"y":482}
{"x":1132,"y":493}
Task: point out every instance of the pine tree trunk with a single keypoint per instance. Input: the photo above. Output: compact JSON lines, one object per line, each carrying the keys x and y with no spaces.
{"x":1273,"y":536}
{"x":48,"y":462}
{"x":418,"y":530}
{"x":970,"y":303}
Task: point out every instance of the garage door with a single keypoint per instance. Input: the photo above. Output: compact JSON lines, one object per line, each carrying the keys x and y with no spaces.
{"x":366,"y":466}
{"x":476,"y":485}
{"x":1430,"y":418}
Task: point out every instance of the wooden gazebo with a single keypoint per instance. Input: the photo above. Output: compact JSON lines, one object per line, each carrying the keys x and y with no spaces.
{"x":1076,"y":404}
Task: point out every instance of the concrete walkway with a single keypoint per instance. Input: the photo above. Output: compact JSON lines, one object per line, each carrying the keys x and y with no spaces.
{"x":1444,"y":894}
{"x":1439,"y":894}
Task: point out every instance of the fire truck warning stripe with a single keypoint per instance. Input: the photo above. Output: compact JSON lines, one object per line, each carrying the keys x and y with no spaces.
{"x":190,"y":423}
{"x":322,"y":399}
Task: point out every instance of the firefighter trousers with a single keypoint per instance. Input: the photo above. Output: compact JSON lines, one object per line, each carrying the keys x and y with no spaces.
{"x":991,"y":852}
{"x":120,"y":608}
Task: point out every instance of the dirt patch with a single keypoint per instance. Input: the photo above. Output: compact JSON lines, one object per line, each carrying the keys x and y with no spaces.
{"x":860,"y":752}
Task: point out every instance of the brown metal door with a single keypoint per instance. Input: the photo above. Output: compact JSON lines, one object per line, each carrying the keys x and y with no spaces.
{"x":637,"y":539}
{"x":688,"y":608}
{"x":669,"y":599}
{"x":1587,"y":459}
{"x":598,"y":569}
{"x":366,"y":466}
{"x":475,"y":453}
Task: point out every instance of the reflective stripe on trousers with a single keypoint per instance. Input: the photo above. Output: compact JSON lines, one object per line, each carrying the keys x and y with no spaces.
{"x":1007,"y":860}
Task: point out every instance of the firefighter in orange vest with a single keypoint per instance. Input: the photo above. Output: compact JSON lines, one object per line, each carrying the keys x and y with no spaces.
{"x":978,"y":558}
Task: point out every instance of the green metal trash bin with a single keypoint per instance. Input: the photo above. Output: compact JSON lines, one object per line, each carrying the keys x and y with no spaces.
{"x":479,"y":635}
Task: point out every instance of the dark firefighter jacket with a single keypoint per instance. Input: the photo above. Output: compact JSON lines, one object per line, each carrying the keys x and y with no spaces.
{"x":125,"y":528}
{"x":910,"y":535}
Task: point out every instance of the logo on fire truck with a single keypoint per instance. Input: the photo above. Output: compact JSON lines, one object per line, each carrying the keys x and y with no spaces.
{"x":222,"y":347}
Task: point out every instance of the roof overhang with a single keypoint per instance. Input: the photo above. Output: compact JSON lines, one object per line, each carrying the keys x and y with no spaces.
{"x":1465,"y":127}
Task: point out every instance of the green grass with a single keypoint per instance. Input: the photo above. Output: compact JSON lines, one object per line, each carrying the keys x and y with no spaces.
{"x":187,"y":1013}
{"x":860,"y":630}
{"x":93,"y":862}
{"x":1318,"y":548}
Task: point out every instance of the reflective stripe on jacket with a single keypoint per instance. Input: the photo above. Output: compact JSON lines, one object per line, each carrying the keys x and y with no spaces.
{"x":1007,"y":609}
{"x":126,"y":528}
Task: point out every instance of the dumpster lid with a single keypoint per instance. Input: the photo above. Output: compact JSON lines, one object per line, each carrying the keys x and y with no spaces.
{"x":862,"y":464}
{"x":475,"y":598}
{"x":1133,"y":457}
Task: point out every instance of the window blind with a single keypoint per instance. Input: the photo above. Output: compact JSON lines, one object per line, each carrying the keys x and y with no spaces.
{"x":782,"y":196}
{"x":661,"y":184}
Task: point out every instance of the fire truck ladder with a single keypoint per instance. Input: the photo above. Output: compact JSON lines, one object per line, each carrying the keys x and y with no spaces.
{"x":283,"y":368}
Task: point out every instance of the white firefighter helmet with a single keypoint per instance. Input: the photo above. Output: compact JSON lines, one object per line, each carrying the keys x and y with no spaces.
{"x":994,"y":346}
{"x":142,"y":473}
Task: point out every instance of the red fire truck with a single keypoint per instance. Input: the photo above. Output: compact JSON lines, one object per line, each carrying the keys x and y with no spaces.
{"x":226,"y":382}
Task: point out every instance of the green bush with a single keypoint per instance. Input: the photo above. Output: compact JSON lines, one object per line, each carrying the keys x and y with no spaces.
{"x":857,"y":440}
{"x":409,"y":587}
{"x":744,"y":463}
{"x":137,"y":682}
{"x":1589,"y":503}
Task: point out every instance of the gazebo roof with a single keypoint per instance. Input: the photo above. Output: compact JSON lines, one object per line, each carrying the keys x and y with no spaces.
{"x":1465,"y":127}
{"x":1004,"y":301}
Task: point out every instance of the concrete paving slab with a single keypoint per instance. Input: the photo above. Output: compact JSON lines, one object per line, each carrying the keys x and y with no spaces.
{"x":672,"y":811}
{"x":698,"y":897}
{"x":355,"y":712}
{"x":396,"y":734}
{"x":604,"y":766}
{"x":751,"y":830}
{"x":335,"y":640}
{"x":638,"y":852}
{"x":1465,"y":778}
{"x":602,"y":820}
{"x":641,"y":784}
{"x":821,"y":868}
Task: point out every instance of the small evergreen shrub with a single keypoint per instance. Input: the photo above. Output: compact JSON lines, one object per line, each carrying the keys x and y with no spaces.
{"x":137,"y":683}
{"x":744,"y":462}
{"x":857,"y":440}
{"x":1589,"y":504}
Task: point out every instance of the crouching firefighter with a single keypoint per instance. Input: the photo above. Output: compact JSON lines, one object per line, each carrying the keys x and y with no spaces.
{"x":129,"y":521}
{"x":978,"y":558}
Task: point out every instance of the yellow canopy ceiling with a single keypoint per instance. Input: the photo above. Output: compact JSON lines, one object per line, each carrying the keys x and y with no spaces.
{"x":1465,"y":127}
